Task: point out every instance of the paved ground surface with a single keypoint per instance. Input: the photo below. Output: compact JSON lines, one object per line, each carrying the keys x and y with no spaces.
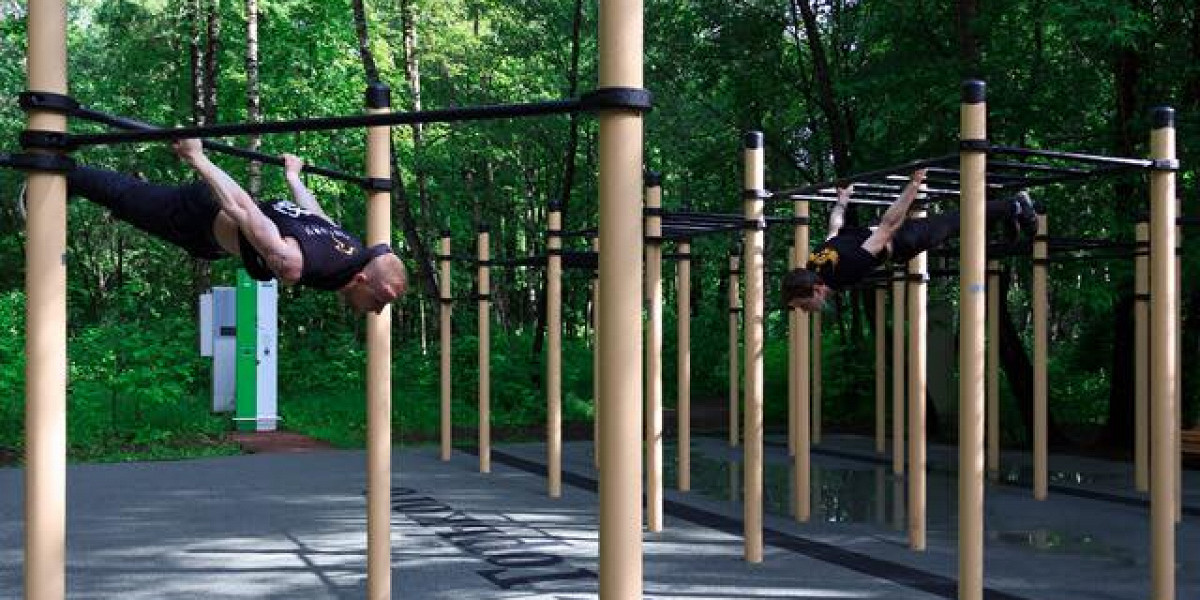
{"x":292,"y":526}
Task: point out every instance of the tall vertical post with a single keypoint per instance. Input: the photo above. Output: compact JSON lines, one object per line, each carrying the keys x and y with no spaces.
{"x":793,"y":394}
{"x":993,"y":370}
{"x":735,"y":309}
{"x":917,"y":336}
{"x":683,"y":293}
{"x":1141,"y":354}
{"x":1041,"y":359}
{"x":483,"y":257}
{"x":802,"y":458}
{"x":880,"y":369}
{"x":1164,"y":327}
{"x":596,"y":360}
{"x":972,"y":291}
{"x":446,"y":296}
{"x":817,"y":334}
{"x":46,"y":323}
{"x":620,"y":167}
{"x":1178,"y":435}
{"x":753,"y":245}
{"x":654,"y":387}
{"x":554,"y":350}
{"x":898,"y":365}
{"x":379,"y":364}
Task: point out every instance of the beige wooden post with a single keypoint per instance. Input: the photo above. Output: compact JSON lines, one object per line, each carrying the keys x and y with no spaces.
{"x":817,"y":384}
{"x":898,"y":370}
{"x":1141,"y":353}
{"x":753,"y":245}
{"x":596,"y":395}
{"x":554,"y":350}
{"x":447,"y":302}
{"x":917,"y":346}
{"x":880,"y":369}
{"x":735,"y":309}
{"x":993,"y":370}
{"x":621,"y":236}
{"x":1178,"y":436}
{"x":972,"y":291}
{"x":1041,"y":359}
{"x":485,"y":350}
{"x":654,"y":387}
{"x":802,"y":459}
{"x":793,"y":394}
{"x":1164,"y":327}
{"x":684,"y":373}
{"x":379,"y":365}
{"x":46,"y":323}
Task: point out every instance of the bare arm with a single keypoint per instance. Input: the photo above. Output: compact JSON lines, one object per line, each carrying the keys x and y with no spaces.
{"x":837,"y":216}
{"x":292,"y":165}
{"x":283,"y":259}
{"x":895,"y":215}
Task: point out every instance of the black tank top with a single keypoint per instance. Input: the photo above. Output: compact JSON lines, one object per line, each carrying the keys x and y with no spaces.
{"x":841,"y":261}
{"x":331,"y":256}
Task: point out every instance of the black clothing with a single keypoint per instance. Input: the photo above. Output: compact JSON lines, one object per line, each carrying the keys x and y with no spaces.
{"x":841,"y":260}
{"x":331,"y":256}
{"x":184,"y":215}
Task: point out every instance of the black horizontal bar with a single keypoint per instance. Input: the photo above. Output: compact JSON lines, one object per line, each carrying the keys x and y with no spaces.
{"x":126,"y":123}
{"x":1095,"y":159}
{"x":442,"y":115}
{"x":895,"y":170}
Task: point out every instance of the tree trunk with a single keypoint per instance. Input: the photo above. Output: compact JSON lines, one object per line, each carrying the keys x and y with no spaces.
{"x":968,"y":41}
{"x":212,"y":60}
{"x":826,"y":99}
{"x":412,"y":74}
{"x":253,"y":102}
{"x":1118,"y":429}
{"x":200,"y":17}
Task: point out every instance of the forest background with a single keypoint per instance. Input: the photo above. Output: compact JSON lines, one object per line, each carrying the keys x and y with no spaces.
{"x":838,"y":87}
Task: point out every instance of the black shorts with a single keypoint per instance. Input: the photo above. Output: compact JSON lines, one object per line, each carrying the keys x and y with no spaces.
{"x":182,"y":215}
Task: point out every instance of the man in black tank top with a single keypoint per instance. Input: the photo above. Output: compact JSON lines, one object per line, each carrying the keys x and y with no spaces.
{"x":290,"y":240}
{"x":851,"y":253}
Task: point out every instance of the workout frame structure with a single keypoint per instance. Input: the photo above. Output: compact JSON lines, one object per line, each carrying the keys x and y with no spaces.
{"x":619,"y":102}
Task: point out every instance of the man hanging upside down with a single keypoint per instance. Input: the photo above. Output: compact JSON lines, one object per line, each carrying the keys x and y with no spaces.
{"x":295,"y":242}
{"x":849,"y":254}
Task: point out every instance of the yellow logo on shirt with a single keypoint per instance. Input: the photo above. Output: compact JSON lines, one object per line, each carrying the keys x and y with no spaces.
{"x":827,"y":256}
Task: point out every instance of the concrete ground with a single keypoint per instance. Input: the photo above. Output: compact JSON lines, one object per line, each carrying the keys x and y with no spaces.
{"x":293,"y":526}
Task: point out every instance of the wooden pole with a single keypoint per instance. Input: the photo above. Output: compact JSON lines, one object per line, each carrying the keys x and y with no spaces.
{"x":46,"y":323}
{"x":1141,"y":353}
{"x":880,"y":369}
{"x":917,"y":360}
{"x":793,"y":393}
{"x":596,"y":381}
{"x":802,"y":460}
{"x":1041,"y":359}
{"x":898,"y":374}
{"x":735,"y":309}
{"x":993,"y":370}
{"x":554,"y":350}
{"x":1178,"y":435}
{"x":621,"y":236}
{"x":379,"y":365}
{"x":654,"y":339}
{"x":447,"y":304}
{"x":1164,"y":375}
{"x":972,"y":297}
{"x":753,"y":245}
{"x":817,"y":384}
{"x":485,"y":348}
{"x":684,"y":373}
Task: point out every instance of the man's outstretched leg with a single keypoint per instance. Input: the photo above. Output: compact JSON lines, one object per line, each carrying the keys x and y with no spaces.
{"x":181,"y":215}
{"x":919,"y":235}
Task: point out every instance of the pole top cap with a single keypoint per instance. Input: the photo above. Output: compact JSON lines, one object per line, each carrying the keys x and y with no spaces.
{"x":974,"y":91}
{"x":379,"y":95}
{"x":753,"y":139}
{"x":484,"y":228}
{"x":445,"y":233}
{"x":653,"y":179}
{"x":1162,"y":116}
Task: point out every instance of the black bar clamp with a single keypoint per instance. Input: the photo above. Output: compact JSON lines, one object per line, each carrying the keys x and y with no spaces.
{"x":974,"y":145}
{"x":45,"y":140}
{"x":377,"y":184}
{"x":758,"y":194}
{"x":759,"y":224}
{"x":48,"y":101}
{"x":635,"y":99}
{"x":1164,"y":164}
{"x":653,"y":211}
